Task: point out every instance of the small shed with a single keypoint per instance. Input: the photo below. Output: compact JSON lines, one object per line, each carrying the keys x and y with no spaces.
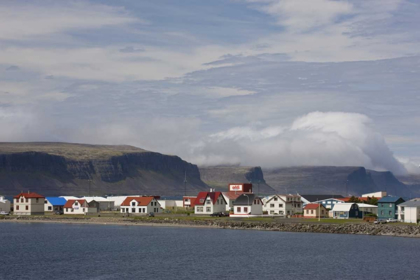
{"x":346,"y":211}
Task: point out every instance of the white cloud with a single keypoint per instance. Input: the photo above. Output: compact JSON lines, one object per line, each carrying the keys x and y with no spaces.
{"x":20,"y":22}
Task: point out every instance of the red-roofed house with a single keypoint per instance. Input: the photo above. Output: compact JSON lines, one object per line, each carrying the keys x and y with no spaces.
{"x":140,"y":205}
{"x":315,"y":210}
{"x":28,"y":204}
{"x":209,"y":203}
{"x":80,"y":206}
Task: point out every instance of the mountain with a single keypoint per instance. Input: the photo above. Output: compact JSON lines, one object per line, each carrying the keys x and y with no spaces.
{"x":80,"y":169}
{"x":219,"y":177}
{"x":332,"y":179}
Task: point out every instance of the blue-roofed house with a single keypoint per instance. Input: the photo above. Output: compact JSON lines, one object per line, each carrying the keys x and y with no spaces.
{"x":53,"y":204}
{"x":388,"y":206}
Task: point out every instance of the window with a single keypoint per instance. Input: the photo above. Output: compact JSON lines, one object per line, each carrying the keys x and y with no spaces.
{"x":390,"y":213}
{"x":45,"y":201}
{"x":83,"y":209}
{"x":312,"y":211}
{"x":37,"y":200}
{"x":72,"y":210}
{"x":390,"y":205}
{"x":67,"y":209}
{"x":76,"y":203}
{"x":17,"y":200}
{"x":208,"y":209}
{"x":49,"y":208}
{"x":246,"y":209}
{"x":27,"y":200}
{"x":275,"y":199}
{"x":271,"y":212}
{"x":271,"y":205}
{"x":208,"y":201}
{"x":133,"y":203}
{"x":26,"y":207}
{"x":298,"y":205}
{"x":238,"y":209}
{"x":21,"y":200}
{"x":217,"y":202}
{"x":382,"y":212}
{"x":325,"y":202}
{"x":200,"y":209}
{"x":281,"y":205}
{"x":17,"y":207}
{"x":133,"y":210}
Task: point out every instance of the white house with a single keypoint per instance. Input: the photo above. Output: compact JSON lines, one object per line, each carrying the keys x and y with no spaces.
{"x":4,"y":205}
{"x":282,"y":205}
{"x":368,"y":208}
{"x":346,"y":211}
{"x":230,"y":197}
{"x":247,"y":205}
{"x":209,"y":202}
{"x":140,"y":205}
{"x":170,"y":203}
{"x":375,"y":194}
{"x":28,"y":204}
{"x":408,"y":212}
{"x":52,"y":204}
{"x":80,"y":206}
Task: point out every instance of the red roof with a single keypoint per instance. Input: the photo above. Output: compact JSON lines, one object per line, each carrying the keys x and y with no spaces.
{"x":233,"y":195}
{"x":70,"y":202}
{"x":312,"y":206}
{"x":29,"y":195}
{"x":142,"y":200}
{"x":201,"y":197}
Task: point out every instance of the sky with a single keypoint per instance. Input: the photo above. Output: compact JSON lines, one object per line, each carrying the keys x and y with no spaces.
{"x":268,"y":83}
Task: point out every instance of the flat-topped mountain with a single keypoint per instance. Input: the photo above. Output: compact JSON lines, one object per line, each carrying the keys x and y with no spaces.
{"x":347,"y":180}
{"x":80,"y":169}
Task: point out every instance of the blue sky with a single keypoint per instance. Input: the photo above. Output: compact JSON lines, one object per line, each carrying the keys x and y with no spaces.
{"x":252,"y":82}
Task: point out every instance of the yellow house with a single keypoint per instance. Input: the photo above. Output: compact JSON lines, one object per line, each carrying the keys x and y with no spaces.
{"x":315,"y":210}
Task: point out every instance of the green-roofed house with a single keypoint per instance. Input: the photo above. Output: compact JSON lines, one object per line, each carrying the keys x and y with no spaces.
{"x":387,"y":207}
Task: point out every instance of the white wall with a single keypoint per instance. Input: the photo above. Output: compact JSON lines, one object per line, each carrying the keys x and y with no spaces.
{"x":210,"y":208}
{"x":154,"y":206}
{"x":411,"y":214}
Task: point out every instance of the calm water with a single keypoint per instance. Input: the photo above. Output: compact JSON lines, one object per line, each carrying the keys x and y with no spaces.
{"x":59,"y":251}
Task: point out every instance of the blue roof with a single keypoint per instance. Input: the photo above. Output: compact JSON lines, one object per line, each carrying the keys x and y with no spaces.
{"x":390,"y":199}
{"x":56,"y":201}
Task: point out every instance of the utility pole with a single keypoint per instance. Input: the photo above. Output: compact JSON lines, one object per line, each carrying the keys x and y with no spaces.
{"x":185,"y":184}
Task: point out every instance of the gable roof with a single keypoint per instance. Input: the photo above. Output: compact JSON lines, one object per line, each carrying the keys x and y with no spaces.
{"x":246,"y":199}
{"x":273,"y":196}
{"x":411,"y":203}
{"x":29,"y":195}
{"x":202,"y":196}
{"x":232,"y":195}
{"x":142,"y":200}
{"x":70,"y":202}
{"x":345,"y":207}
{"x":313,"y":206}
{"x":56,"y":201}
{"x":317,"y":197}
{"x":389,"y":199}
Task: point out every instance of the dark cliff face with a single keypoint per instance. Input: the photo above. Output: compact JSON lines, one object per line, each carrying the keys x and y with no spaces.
{"x":131,"y":173}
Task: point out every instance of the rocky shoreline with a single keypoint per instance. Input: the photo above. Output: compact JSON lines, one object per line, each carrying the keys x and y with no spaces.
{"x":347,"y":228}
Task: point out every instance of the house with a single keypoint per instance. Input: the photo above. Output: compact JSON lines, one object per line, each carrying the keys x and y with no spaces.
{"x":118,"y":200}
{"x":171,"y":203}
{"x":80,"y":206}
{"x":230,"y":197}
{"x":346,"y":211}
{"x":282,"y":205}
{"x":388,"y":207}
{"x":247,"y":205}
{"x":329,"y":202}
{"x":209,"y":203}
{"x":409,"y":211}
{"x":29,"y":204}
{"x":140,"y":205}
{"x":52,"y":204}
{"x":105,"y":204}
{"x":4,"y":205}
{"x":378,"y":195}
{"x":315,"y":210}
{"x":235,"y":190}
{"x":311,"y":198}
{"x":368,"y":208}
{"x":188,"y":201}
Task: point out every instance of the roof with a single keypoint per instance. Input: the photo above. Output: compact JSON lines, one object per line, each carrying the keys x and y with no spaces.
{"x":245,"y":199}
{"x":142,"y":200}
{"x":317,"y":197}
{"x":364,"y":205}
{"x":232,"y":195}
{"x":70,"y":202}
{"x":389,"y":199}
{"x":365,"y":199}
{"x":29,"y":195}
{"x":345,"y":207}
{"x":313,"y":206}
{"x":411,"y":203}
{"x":201,"y":197}
{"x":56,"y":201}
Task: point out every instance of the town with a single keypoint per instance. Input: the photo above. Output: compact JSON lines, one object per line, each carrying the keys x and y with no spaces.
{"x":238,"y":201}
